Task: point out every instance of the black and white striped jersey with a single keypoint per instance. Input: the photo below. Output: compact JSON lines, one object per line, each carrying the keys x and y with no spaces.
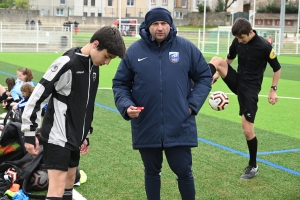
{"x":69,"y":86}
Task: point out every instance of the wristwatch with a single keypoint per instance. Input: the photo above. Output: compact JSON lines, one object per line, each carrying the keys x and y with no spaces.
{"x":274,"y":87}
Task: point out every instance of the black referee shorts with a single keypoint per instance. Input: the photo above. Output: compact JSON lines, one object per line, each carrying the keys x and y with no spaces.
{"x":247,"y":95}
{"x":60,"y":158}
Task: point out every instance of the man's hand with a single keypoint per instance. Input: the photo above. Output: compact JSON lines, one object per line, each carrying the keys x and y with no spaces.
{"x":31,"y":149}
{"x":84,"y":148}
{"x":272,"y":98}
{"x":134,"y":112}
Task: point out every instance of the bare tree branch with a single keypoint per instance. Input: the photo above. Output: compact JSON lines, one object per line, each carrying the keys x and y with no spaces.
{"x":228,"y":5}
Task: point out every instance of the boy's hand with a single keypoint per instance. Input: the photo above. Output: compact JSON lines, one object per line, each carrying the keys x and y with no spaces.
{"x":84,"y":148}
{"x":31,"y":149}
{"x":215,"y":78}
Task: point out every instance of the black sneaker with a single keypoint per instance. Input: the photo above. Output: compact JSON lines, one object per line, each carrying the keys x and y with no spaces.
{"x":250,"y":172}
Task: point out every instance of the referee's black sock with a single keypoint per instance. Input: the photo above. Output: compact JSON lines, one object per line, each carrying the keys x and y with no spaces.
{"x":53,"y":198}
{"x":252,"y":146}
{"x":68,"y":194}
{"x":212,"y":69}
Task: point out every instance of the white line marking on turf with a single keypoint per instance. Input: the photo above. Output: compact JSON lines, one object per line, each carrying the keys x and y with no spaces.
{"x":261,"y":95}
{"x":279,"y":97}
{"x":77,"y":195}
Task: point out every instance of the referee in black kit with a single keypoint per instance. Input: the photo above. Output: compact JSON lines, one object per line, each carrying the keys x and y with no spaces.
{"x":253,"y":52}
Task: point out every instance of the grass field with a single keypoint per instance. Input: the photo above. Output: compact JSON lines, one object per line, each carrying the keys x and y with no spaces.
{"x":115,"y":171}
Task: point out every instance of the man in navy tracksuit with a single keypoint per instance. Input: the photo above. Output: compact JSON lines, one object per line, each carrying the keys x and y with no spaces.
{"x":153,"y":88}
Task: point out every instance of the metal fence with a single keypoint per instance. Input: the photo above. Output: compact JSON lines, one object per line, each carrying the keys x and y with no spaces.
{"x":22,"y":38}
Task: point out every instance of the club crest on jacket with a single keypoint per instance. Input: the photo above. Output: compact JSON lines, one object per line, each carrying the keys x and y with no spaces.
{"x":174,"y":57}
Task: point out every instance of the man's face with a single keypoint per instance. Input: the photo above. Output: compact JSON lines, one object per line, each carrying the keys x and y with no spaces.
{"x":101,"y":57}
{"x":244,"y":38}
{"x":159,"y":30}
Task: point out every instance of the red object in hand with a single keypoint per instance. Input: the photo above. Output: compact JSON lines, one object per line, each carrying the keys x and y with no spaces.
{"x":140,"y":108}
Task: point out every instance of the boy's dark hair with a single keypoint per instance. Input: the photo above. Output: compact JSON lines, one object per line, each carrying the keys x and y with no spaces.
{"x":10,"y":82}
{"x":27,"y":89}
{"x":27,"y":72}
{"x":110,"y":38}
{"x":241,"y":26}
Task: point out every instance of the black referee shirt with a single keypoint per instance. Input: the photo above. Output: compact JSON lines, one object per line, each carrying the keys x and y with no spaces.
{"x":252,"y":59}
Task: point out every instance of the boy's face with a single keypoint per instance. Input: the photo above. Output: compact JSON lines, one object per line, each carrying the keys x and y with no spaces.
{"x":102,"y":57}
{"x":244,"y":38}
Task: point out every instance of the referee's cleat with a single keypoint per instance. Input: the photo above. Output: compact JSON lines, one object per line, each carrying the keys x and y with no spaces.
{"x":250,"y":172}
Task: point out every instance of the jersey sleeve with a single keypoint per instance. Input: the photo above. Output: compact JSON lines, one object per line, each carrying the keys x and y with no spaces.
{"x":31,"y":116}
{"x":272,"y":59}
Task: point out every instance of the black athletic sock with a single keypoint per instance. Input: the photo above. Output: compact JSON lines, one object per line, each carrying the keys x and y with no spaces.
{"x":53,"y":198}
{"x":212,"y":68}
{"x":68,"y":194}
{"x":252,"y":146}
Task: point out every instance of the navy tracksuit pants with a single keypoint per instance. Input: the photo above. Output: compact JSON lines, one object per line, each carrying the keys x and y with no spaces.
{"x":180,"y":162}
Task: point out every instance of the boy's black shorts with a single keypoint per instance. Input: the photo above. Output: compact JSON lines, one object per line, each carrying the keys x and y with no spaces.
{"x":60,"y":158}
{"x":247,"y":96}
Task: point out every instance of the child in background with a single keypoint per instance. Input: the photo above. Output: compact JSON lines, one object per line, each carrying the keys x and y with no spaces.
{"x":26,"y":90}
{"x":24,"y":75}
{"x":5,"y":94}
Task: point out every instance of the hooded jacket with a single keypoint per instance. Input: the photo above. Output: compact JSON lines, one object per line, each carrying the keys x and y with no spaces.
{"x":159,"y":78}
{"x":70,"y":85}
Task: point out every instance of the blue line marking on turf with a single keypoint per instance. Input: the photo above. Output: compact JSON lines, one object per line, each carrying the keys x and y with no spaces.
{"x":246,"y":155}
{"x":11,"y":75}
{"x":108,"y":108}
{"x":8,"y":74}
{"x":278,"y":151}
{"x":238,"y":152}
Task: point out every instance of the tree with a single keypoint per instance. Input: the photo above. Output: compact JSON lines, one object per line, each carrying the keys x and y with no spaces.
{"x":220,"y":6}
{"x":228,"y":4}
{"x":21,"y":4}
{"x":6,"y":3}
{"x":201,"y":8}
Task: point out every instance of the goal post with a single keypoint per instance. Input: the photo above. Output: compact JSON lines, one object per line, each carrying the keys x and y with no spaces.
{"x":225,"y":37}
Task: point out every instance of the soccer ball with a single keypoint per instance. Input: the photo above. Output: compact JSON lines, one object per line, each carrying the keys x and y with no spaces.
{"x":39,"y":180}
{"x":12,"y":173}
{"x":218,"y":100}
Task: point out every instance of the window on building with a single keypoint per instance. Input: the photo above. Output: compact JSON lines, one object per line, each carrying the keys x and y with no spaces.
{"x":59,"y":12}
{"x":62,"y":1}
{"x":85,"y":2}
{"x":85,"y":14}
{"x":130,"y":2}
{"x":153,"y":1}
{"x":93,"y":3}
{"x":227,"y":18}
{"x":164,"y":2}
{"x":110,"y":3}
{"x":197,"y":3}
{"x":184,"y":3}
{"x":178,"y":15}
{"x":92,"y":14}
{"x":99,"y":14}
